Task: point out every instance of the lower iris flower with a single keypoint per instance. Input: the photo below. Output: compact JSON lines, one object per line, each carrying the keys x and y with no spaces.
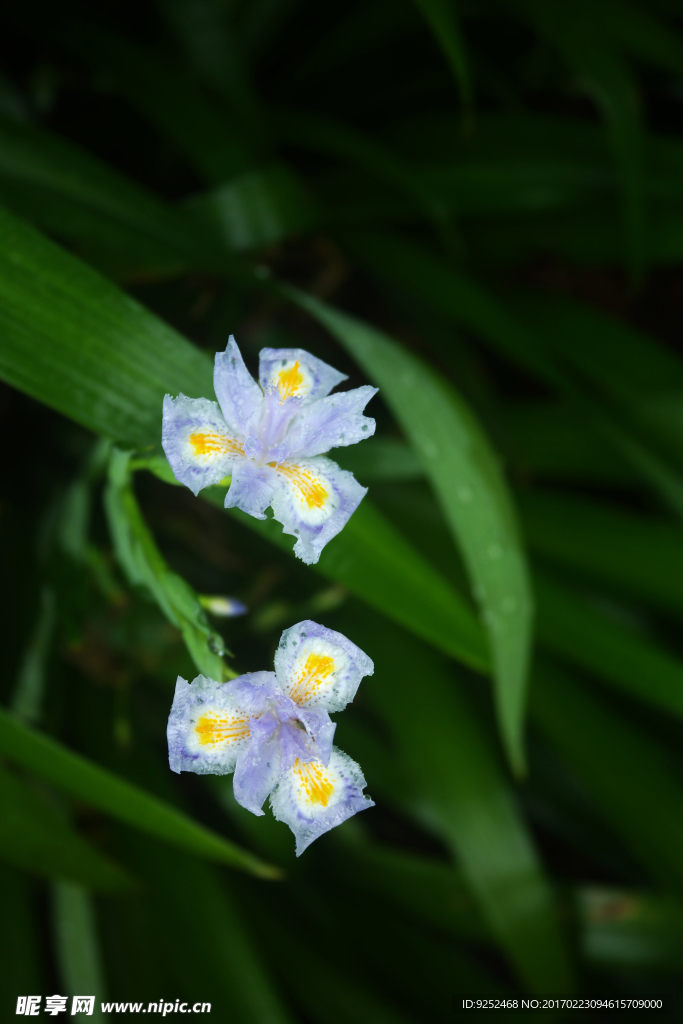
{"x":271,"y":437}
{"x":274,"y":731}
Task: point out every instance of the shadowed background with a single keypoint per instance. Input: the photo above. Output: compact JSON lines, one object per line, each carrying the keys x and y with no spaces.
{"x":477,"y":207}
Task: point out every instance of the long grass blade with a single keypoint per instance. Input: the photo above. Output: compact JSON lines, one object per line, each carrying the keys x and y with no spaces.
{"x":83,"y":779}
{"x":465,"y":474}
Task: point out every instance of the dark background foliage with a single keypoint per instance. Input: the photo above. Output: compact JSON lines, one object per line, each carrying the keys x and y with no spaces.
{"x":498,"y":187}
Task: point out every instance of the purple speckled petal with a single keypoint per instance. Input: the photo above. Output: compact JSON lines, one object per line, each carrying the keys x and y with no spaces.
{"x":269,"y":439}
{"x":333,"y":422}
{"x":312,"y":798}
{"x":260,"y":765}
{"x":314,"y":501}
{"x":239,"y":395}
{"x":199,"y":445}
{"x":318,"y":667}
{"x":274,"y":746}
{"x":209,"y":723}
{"x":253,"y":488}
{"x":294,"y":373}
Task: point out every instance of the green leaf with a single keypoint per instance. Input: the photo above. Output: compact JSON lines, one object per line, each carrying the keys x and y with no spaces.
{"x":87,"y":349}
{"x":571,"y":627}
{"x":620,"y":765}
{"x":99,"y":788}
{"x":34,"y":837}
{"x":100,"y":358}
{"x":466,"y":476}
{"x":376,"y":562}
{"x":76,"y":943}
{"x":144,"y":566}
{"x":463,"y":792}
{"x":441,"y":17}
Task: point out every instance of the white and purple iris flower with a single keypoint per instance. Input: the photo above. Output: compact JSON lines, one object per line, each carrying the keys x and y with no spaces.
{"x":274,"y":731}
{"x":270,"y":437}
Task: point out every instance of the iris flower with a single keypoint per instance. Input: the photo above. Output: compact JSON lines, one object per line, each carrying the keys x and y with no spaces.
{"x":274,"y":731}
{"x":270,"y":437}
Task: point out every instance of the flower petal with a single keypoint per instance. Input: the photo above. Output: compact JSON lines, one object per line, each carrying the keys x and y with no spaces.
{"x":318,"y":667}
{"x":209,"y":723}
{"x":275,"y":745}
{"x":198,"y":443}
{"x":296,"y":374}
{"x":314,"y":500}
{"x":252,"y":489}
{"x":312,"y":798}
{"x":239,"y":395}
{"x":332,"y":422}
{"x":320,"y":728}
{"x":260,"y":765}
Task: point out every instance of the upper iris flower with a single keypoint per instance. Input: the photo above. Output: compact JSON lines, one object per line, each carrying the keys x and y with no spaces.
{"x":270,"y":438}
{"x":273,"y":729}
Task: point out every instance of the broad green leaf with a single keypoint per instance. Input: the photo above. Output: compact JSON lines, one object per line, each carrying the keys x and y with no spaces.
{"x":76,"y":943}
{"x":144,"y":566}
{"x":601,"y":543}
{"x":569,"y":626}
{"x":626,"y":771}
{"x":100,"y":358}
{"x":441,"y":17}
{"x":86,"y":781}
{"x":466,"y":476}
{"x":34,"y":837}
{"x":376,"y":563}
{"x":462,"y":788}
{"x":87,"y":349}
